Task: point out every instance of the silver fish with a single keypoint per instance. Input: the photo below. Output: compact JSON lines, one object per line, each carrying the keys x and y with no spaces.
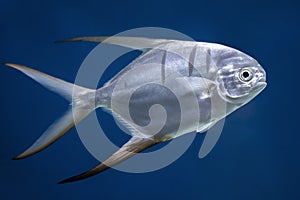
{"x":212,"y":71}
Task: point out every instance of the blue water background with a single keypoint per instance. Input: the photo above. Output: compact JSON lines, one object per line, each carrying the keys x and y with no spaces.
{"x":257,"y":156}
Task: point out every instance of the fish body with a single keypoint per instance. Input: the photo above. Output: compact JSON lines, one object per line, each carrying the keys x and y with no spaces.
{"x":198,"y":63}
{"x":186,"y":78}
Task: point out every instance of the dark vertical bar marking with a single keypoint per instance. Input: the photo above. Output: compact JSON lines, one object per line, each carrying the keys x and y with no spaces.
{"x":192,"y":60}
{"x":163,"y":67}
{"x":208,"y":60}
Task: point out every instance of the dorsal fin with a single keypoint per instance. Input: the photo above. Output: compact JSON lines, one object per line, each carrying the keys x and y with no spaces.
{"x":140,"y":43}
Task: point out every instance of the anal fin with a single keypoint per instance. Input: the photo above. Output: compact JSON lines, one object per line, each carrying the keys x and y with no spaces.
{"x":133,"y":146}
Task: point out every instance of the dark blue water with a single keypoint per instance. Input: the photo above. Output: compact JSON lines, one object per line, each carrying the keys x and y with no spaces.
{"x":257,"y":156}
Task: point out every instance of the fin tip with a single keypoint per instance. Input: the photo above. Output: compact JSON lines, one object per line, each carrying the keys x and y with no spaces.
{"x":60,"y":41}
{"x":8,"y":64}
{"x":68,"y":40}
{"x":13,"y":65}
{"x":62,"y":182}
{"x":68,"y":180}
{"x":19,"y":157}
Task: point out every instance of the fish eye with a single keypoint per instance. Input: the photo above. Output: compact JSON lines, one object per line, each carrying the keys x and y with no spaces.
{"x":245,"y":75}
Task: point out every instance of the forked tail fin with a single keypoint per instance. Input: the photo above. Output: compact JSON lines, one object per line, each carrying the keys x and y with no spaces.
{"x":82,"y":100}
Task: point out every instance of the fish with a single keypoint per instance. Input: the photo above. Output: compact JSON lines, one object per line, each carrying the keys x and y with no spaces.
{"x":197,"y":72}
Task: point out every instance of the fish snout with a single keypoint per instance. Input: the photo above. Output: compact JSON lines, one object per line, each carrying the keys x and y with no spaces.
{"x":262,"y":76}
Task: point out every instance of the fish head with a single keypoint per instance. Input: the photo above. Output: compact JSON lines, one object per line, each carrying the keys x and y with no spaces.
{"x":239,"y":77}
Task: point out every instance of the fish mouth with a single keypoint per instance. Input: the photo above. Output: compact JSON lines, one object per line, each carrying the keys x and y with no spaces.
{"x":262,"y":77}
{"x":260,"y":86}
{"x":262,"y":82}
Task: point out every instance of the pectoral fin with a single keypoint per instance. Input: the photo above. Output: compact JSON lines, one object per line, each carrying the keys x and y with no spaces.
{"x":129,"y":149}
{"x":140,"y":43}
